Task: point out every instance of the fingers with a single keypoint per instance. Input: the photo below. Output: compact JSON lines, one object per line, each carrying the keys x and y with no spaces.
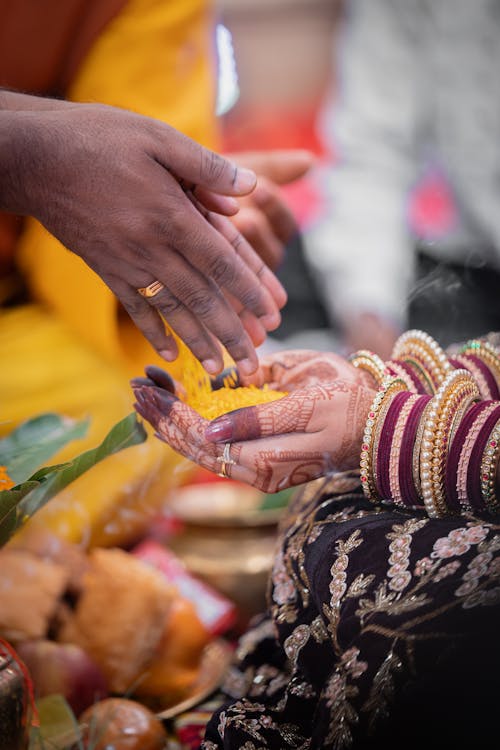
{"x":288,"y":414}
{"x":200,"y":166}
{"x":279,"y":165}
{"x":160,"y":377}
{"x":270,"y":200}
{"x":266,"y":277}
{"x":204,"y":240}
{"x":256,"y":229}
{"x":199,"y":313}
{"x":145,"y":317}
{"x":176,"y":424}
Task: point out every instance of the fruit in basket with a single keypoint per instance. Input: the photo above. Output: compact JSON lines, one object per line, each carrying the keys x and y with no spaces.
{"x":65,"y":669}
{"x":175,"y":665}
{"x":121,"y":724}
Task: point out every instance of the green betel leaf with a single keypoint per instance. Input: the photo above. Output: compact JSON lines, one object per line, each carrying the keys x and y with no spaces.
{"x":52,"y":480}
{"x":33,"y":443}
{"x":58,"y":728}
{"x":9,"y":500}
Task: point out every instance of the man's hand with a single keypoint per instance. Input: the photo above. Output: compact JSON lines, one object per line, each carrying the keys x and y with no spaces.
{"x":264,"y":218}
{"x":136,"y":200}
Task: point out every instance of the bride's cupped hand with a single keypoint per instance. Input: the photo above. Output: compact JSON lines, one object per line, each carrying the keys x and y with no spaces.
{"x":314,"y":430}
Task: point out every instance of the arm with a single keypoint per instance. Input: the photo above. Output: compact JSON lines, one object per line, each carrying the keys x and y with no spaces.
{"x":361,"y":249}
{"x":123,"y":192}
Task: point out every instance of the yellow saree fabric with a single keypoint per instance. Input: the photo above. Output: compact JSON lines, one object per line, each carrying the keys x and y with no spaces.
{"x":73,"y":351}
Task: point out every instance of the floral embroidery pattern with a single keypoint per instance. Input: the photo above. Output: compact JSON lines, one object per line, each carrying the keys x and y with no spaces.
{"x":363,"y":600}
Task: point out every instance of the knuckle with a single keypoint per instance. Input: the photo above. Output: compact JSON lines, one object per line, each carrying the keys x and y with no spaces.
{"x":135,"y":307}
{"x":222,"y":271}
{"x":233,"y":340}
{"x":201,"y":303}
{"x":169,"y":304}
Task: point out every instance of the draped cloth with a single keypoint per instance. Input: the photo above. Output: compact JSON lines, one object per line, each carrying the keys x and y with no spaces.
{"x":381,"y":632}
{"x":72,"y":349}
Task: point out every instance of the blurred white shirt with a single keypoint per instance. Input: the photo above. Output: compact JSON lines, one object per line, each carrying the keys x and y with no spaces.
{"x":418,"y":82}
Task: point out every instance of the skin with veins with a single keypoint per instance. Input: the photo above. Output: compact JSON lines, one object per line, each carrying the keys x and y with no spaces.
{"x":312,"y":431}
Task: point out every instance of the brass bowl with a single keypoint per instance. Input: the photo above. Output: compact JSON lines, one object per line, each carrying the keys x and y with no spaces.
{"x":227,"y":540}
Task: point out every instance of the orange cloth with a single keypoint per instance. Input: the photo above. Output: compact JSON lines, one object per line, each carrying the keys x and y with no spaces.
{"x":73,"y":352}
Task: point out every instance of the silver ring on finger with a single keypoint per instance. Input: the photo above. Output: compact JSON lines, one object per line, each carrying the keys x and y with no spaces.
{"x":225,"y":461}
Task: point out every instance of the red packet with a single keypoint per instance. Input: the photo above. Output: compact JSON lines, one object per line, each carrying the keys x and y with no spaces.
{"x":217,"y":612}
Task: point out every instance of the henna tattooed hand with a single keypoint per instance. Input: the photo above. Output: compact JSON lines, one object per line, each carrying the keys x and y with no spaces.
{"x":286,"y":371}
{"x":314,"y":430}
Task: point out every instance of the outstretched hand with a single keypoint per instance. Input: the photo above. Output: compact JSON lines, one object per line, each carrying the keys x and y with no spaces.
{"x":140,"y":202}
{"x":315,"y":429}
{"x":264,"y":218}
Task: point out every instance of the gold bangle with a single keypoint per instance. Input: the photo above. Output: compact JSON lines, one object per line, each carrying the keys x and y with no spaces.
{"x":458,"y":388}
{"x":485,"y":351}
{"x":489,"y":463}
{"x":369,"y":361}
{"x":421,"y":351}
{"x":388,"y":388}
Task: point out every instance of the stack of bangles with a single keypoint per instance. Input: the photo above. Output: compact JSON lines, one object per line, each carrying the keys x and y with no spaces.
{"x":432,"y":437}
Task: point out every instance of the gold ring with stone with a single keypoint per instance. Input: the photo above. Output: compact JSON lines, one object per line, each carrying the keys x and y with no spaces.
{"x":152,"y":289}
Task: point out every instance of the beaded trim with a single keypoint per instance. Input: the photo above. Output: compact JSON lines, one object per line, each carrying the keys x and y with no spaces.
{"x":423,"y":352}
{"x":388,"y":388}
{"x":489,"y":464}
{"x":369,"y":361}
{"x":458,"y":387}
{"x":488,"y":354}
{"x":396,"y":464}
{"x":466,"y":451}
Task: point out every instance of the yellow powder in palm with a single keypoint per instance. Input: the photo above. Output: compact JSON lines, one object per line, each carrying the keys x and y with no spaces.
{"x":211,"y":404}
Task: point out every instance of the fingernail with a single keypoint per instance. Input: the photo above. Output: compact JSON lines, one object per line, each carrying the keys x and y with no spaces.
{"x":270,"y":321}
{"x":228,"y":376}
{"x":219,"y":430}
{"x":246,"y":366}
{"x":168,"y":355}
{"x":136,"y":382}
{"x":245,"y":180}
{"x":163,"y":398}
{"x":211,"y":366}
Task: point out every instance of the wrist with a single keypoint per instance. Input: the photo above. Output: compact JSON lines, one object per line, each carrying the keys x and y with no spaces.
{"x":20,"y":157}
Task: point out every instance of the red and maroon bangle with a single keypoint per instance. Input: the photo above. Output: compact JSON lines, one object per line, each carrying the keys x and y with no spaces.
{"x":404,"y":371}
{"x":407,"y":480}
{"x":456,"y":447}
{"x":489,"y":465}
{"x":474,"y":493}
{"x":481,"y":372}
{"x":384,"y":447}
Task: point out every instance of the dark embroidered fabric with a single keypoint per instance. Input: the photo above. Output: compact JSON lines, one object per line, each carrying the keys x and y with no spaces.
{"x":382,"y":631}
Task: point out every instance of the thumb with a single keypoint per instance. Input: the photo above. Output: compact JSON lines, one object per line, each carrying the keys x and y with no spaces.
{"x":285,"y":415}
{"x":279,"y":165}
{"x":196,"y":165}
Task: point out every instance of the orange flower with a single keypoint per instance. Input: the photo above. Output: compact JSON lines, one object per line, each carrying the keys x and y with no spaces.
{"x":6,"y":483}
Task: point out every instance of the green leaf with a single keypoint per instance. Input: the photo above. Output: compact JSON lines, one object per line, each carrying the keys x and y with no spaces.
{"x":9,"y":499}
{"x":31,"y":444}
{"x":58,"y":728}
{"x":123,"y":435}
{"x":277,"y":500}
